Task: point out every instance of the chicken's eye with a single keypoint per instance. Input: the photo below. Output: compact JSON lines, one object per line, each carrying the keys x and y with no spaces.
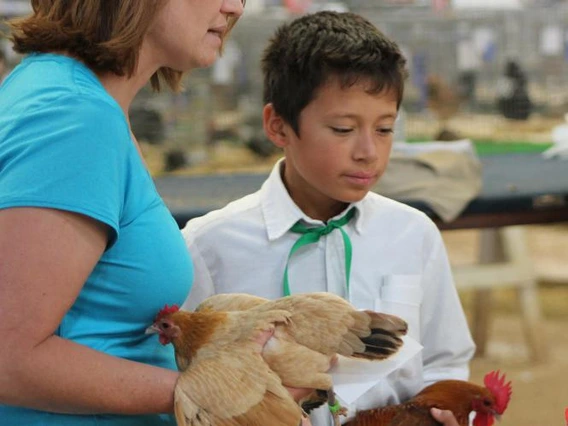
{"x":487,"y":403}
{"x":165,"y":325}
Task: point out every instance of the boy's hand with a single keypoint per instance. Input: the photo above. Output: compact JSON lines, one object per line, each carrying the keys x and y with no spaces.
{"x":446,"y":417}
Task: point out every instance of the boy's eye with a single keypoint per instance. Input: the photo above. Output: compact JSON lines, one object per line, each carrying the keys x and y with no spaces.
{"x":341,"y":130}
{"x":385,"y":131}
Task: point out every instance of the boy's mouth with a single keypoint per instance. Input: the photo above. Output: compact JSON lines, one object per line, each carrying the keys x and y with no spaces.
{"x":363,"y":179}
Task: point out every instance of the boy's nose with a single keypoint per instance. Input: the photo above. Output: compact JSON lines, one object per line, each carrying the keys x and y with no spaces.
{"x":366,"y":148}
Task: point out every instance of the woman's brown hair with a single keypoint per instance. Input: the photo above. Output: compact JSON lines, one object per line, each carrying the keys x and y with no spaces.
{"x":105,"y":34}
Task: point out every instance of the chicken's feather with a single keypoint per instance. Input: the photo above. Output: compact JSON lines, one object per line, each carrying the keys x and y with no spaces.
{"x":459,"y":397}
{"x":414,"y":416}
{"x":233,"y":383}
{"x":319,"y":326}
{"x":326,"y":323}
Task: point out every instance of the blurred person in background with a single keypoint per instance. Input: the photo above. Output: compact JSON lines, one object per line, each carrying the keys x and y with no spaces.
{"x":513,"y":100}
{"x":89,"y":251}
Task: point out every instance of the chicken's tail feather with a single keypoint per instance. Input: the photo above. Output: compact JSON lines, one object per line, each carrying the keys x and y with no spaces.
{"x":389,"y":323}
{"x":379,"y":335}
{"x":384,"y":337}
{"x":380,"y":344}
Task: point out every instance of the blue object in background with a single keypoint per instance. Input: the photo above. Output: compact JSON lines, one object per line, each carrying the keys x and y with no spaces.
{"x":419,"y":74}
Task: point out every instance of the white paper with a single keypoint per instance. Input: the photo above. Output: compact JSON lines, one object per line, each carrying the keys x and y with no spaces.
{"x":353,"y":377}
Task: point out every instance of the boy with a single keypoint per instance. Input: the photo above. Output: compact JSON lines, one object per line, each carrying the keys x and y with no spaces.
{"x":332,"y":88}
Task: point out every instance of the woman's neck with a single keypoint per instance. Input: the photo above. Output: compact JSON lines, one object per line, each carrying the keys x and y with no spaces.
{"x":124,"y":88}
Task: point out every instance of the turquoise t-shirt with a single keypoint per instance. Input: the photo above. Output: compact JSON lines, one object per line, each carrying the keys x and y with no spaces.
{"x":65,"y":144}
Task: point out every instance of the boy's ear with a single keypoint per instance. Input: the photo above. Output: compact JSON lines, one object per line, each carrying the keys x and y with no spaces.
{"x":275,"y":127}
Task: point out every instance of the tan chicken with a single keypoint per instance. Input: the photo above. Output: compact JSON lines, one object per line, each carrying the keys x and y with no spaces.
{"x":226,"y":380}
{"x":321,"y":326}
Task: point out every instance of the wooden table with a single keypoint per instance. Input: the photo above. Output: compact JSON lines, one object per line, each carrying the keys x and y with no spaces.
{"x":518,"y":189}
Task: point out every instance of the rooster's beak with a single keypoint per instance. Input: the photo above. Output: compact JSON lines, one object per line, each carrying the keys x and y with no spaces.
{"x":153,"y":329}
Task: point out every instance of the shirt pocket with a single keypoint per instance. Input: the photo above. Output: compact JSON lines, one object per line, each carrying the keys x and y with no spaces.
{"x":401,"y":295}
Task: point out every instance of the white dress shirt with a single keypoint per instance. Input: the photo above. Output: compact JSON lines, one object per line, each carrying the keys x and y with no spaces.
{"x":399,"y":266}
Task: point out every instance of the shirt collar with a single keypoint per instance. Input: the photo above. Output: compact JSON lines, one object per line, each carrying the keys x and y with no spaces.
{"x":281,"y":212}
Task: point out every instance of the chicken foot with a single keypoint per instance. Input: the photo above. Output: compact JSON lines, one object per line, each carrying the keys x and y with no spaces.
{"x":335,"y":408}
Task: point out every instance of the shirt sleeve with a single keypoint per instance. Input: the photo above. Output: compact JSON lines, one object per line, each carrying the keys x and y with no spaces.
{"x":67,"y":155}
{"x":447,"y":341}
{"x":203,"y":286}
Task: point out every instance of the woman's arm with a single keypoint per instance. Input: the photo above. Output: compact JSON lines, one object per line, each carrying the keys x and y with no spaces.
{"x":45,"y":258}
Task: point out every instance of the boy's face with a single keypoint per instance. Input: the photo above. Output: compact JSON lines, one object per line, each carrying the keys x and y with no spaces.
{"x":343,"y":147}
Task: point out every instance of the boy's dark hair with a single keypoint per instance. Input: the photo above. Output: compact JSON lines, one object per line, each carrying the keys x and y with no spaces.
{"x":306,"y":52}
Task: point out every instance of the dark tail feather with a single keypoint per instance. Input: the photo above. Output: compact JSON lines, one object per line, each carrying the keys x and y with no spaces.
{"x":380,"y":344}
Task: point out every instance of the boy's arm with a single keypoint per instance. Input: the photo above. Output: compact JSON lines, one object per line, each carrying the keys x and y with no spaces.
{"x":445,"y":335}
{"x":202,"y":283}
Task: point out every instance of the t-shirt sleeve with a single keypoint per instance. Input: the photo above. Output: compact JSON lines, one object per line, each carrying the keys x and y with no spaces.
{"x":67,"y":155}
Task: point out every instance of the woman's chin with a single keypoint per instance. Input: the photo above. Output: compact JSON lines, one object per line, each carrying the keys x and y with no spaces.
{"x":205,"y":60}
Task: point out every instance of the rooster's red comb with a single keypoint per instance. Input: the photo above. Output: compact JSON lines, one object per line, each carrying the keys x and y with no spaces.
{"x":501,"y":391}
{"x":166,"y":310}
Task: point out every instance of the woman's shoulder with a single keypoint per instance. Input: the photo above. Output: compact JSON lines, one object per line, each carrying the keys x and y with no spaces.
{"x":56,"y":82}
{"x":56,"y":98}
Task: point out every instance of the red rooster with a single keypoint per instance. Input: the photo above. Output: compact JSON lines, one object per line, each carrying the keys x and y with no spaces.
{"x":460,"y":397}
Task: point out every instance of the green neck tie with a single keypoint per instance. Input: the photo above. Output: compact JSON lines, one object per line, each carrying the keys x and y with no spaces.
{"x":312,"y":235}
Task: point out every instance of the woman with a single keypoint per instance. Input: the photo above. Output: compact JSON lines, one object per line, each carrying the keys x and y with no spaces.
{"x":89,"y":252}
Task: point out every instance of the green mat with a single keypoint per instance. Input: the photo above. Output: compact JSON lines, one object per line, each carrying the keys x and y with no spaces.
{"x":490,"y":147}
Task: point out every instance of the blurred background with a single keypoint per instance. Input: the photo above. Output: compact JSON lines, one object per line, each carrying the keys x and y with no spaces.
{"x":491,"y":71}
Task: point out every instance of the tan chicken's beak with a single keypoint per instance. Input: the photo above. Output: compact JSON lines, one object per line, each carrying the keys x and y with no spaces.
{"x":153,"y":329}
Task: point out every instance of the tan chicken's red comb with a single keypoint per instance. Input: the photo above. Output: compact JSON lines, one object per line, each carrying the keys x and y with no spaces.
{"x":501,"y":391}
{"x":166,"y":310}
